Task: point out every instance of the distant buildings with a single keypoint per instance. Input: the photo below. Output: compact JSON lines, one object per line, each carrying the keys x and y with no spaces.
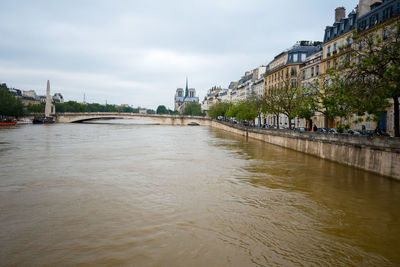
{"x":182,"y":98}
{"x":30,"y":96}
{"x":215,"y":95}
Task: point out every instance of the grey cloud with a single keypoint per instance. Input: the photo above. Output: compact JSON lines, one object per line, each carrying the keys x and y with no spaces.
{"x":138,"y":52}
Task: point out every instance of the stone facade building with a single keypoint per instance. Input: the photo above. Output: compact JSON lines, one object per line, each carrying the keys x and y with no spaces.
{"x":283,"y":69}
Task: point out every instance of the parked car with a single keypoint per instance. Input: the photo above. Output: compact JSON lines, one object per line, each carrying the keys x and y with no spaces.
{"x":354,"y":132}
{"x":301,"y":129}
{"x":332,"y":131}
{"x":321,"y":130}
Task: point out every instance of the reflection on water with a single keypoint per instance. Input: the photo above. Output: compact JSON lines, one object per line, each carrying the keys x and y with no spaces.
{"x":134,"y":121}
{"x":145,"y":195}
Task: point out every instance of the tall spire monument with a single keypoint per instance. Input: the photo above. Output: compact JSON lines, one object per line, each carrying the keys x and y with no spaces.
{"x":187,"y":89}
{"x":48,"y":107}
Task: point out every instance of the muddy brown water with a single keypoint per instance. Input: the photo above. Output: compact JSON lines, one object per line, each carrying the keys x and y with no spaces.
{"x":146,"y":195}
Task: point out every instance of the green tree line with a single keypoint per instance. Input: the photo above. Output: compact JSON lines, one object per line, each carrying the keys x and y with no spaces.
{"x":10,"y":106}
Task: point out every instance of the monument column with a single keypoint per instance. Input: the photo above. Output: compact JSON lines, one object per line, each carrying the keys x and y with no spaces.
{"x":47,"y":110}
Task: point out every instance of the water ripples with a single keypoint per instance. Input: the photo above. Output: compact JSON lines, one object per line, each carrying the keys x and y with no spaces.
{"x":91,"y":194}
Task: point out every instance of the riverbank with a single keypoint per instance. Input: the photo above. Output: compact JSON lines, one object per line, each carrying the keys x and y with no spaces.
{"x":375,"y":154}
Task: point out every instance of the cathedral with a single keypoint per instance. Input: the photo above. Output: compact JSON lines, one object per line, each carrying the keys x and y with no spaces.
{"x":182,"y":99}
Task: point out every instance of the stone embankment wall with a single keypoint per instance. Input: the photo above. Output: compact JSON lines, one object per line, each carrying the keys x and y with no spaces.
{"x":376,"y":154}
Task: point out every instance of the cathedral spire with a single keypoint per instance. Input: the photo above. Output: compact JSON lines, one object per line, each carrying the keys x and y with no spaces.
{"x":187,"y":89}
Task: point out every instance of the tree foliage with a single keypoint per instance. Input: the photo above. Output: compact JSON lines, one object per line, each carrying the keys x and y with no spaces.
{"x":193,"y":109}
{"x":36,"y":108}
{"x":219,"y":109}
{"x":10,"y":106}
{"x":162,"y":110}
{"x":364,"y":81}
{"x":243,"y":110}
{"x":73,"y":106}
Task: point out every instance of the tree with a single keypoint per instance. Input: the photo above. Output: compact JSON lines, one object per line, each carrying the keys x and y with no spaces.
{"x":162,"y":110}
{"x":271,"y":104}
{"x":219,"y":109}
{"x":36,"y":108}
{"x":232,"y":111}
{"x":371,"y":74}
{"x":244,"y":110}
{"x":258,"y":106}
{"x":193,"y":109}
{"x":308,"y":101}
{"x":288,"y":97}
{"x":9,"y":105}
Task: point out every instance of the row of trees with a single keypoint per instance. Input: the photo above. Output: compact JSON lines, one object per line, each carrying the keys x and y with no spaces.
{"x":364,"y":81}
{"x":73,"y":106}
{"x":9,"y":105}
{"x":191,"y":109}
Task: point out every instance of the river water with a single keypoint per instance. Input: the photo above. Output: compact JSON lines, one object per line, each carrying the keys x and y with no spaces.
{"x":147,"y":195}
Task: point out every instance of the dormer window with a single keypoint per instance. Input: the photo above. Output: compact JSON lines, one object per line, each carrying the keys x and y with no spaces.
{"x":329,"y":34}
{"x":335,"y":30}
{"x":342,"y":26}
{"x":351,"y":21}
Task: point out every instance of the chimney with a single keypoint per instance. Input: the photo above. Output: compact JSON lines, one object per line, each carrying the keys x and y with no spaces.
{"x":340,"y":13}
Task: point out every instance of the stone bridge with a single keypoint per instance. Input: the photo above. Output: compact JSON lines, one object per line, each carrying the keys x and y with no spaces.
{"x":154,"y":118}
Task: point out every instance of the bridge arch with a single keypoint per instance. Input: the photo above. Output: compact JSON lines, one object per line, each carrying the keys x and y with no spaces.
{"x":155,"y":118}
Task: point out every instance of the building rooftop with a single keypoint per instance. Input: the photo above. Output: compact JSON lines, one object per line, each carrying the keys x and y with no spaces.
{"x":339,"y":28}
{"x":379,"y":13}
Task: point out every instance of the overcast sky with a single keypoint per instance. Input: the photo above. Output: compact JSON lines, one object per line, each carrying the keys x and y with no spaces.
{"x":138,"y":52}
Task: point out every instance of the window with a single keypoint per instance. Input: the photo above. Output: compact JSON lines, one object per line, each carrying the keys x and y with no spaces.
{"x":391,"y":122}
{"x":328,"y":65}
{"x":293,"y":71}
{"x":295,"y":58}
{"x":312,"y":72}
{"x":335,"y":30}
{"x":386,"y":33}
{"x":374,"y":38}
{"x":342,"y":27}
{"x":329,"y":49}
{"x":303,"y":57}
{"x":334,"y":47}
{"x":351,"y":21}
{"x":317,"y":70}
